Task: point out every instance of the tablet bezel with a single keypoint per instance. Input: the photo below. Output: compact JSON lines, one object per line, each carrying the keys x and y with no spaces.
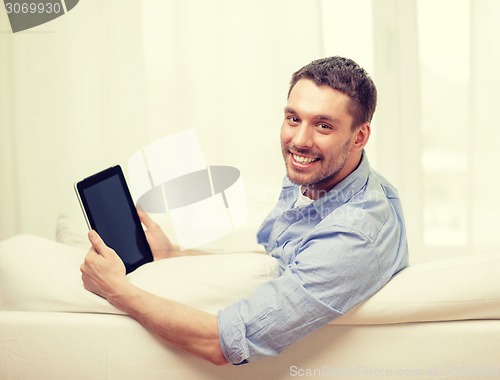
{"x":81,"y":186}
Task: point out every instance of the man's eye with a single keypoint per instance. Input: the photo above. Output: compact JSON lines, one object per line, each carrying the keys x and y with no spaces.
{"x":293,"y":119}
{"x":324,"y":126}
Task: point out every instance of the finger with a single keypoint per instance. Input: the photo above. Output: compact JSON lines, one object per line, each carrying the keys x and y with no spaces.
{"x":145,"y":219}
{"x":97,"y":243}
{"x":86,"y":266}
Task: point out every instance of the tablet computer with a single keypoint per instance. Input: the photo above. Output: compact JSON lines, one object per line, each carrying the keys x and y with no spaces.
{"x":109,"y":209}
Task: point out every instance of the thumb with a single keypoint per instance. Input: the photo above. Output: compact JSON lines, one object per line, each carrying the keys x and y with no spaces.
{"x":145,"y":219}
{"x":97,"y":242}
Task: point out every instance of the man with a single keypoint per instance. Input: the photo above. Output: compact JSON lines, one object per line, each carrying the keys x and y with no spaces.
{"x":337,"y":231}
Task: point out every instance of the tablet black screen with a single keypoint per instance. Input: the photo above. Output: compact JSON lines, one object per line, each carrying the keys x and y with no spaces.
{"x":110,"y":211}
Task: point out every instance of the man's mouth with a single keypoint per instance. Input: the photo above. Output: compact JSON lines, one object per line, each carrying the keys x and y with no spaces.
{"x":303,"y":160}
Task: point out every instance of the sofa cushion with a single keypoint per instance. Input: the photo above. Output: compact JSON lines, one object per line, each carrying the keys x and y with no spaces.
{"x":43,"y":275}
{"x":39,"y":274}
{"x":458,"y":288}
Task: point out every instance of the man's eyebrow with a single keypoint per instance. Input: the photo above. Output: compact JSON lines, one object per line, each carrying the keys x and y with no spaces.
{"x":328,"y":118}
{"x":321,"y":117}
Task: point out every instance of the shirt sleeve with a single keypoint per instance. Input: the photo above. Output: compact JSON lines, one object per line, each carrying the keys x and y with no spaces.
{"x":333,"y":272}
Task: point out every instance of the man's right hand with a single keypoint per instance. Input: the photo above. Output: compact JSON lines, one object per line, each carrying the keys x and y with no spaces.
{"x":160,"y":245}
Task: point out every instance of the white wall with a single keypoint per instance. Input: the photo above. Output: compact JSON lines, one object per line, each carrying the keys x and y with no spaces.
{"x":88,"y":89}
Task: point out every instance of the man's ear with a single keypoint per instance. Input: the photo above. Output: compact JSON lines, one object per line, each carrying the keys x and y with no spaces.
{"x":361,"y":136}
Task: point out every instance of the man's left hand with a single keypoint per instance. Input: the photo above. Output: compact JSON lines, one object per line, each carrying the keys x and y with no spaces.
{"x":102,"y":271}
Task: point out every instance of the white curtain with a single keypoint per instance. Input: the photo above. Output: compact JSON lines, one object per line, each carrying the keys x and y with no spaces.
{"x":72,"y":102}
{"x":88,"y":89}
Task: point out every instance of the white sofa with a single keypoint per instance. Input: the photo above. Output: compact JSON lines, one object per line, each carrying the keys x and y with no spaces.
{"x":434,"y":320}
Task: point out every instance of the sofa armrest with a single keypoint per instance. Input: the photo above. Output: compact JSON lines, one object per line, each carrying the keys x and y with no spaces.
{"x":460,"y":288}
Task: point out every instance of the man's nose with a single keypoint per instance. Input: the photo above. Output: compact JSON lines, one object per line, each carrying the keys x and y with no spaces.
{"x":303,"y":137}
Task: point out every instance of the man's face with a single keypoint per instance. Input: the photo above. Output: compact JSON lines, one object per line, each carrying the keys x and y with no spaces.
{"x":316,"y":137}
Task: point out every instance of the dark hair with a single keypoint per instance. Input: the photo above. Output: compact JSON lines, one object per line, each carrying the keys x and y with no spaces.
{"x":346,"y":76}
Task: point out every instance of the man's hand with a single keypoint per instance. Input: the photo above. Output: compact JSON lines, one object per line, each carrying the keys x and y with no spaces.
{"x":103,"y":271}
{"x":160,"y":245}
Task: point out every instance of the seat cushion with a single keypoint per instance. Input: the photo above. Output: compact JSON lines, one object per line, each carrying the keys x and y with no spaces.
{"x":43,"y":275}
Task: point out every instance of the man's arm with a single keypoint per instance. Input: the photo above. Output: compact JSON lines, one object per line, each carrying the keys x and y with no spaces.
{"x":188,"y":329}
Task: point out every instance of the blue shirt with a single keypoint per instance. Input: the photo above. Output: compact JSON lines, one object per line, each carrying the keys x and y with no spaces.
{"x":333,"y":254}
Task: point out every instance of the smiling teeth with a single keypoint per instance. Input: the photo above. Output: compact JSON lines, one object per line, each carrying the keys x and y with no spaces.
{"x":303,"y":160}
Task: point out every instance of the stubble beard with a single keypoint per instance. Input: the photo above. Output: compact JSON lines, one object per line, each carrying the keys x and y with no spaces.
{"x":325,"y":175}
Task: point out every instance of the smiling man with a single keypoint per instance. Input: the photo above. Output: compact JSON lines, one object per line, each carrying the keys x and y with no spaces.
{"x":326,"y":124}
{"x":337,"y":232}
